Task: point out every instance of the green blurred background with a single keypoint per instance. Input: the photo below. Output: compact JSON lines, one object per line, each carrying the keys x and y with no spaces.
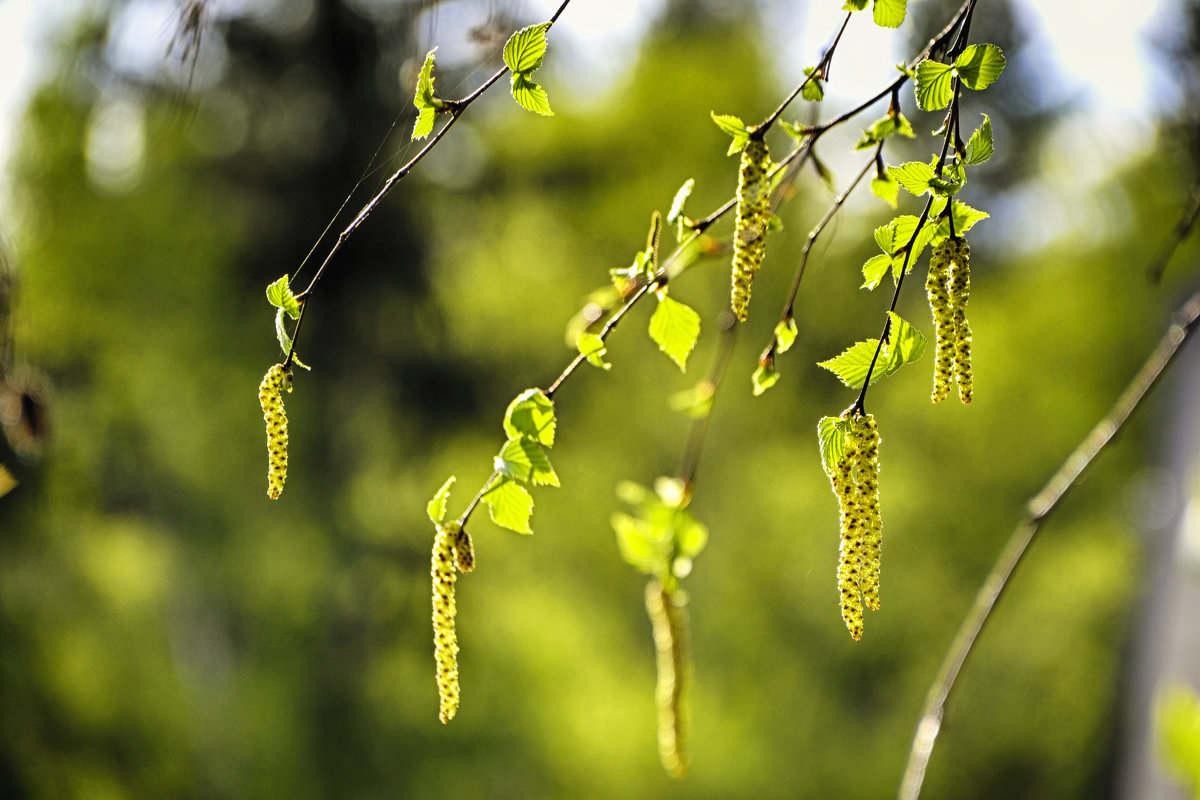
{"x":166,"y":631}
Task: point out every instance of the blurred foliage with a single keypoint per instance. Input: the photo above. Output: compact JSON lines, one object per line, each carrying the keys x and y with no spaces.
{"x":169,"y":632}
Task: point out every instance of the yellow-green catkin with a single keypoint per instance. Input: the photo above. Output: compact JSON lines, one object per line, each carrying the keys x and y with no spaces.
{"x":445,"y":640}
{"x":270,"y":397}
{"x":753,"y":217}
{"x":960,"y":292}
{"x":867,"y":431}
{"x":852,"y":544}
{"x":855,"y":480}
{"x":668,"y":620}
{"x":943,"y":319}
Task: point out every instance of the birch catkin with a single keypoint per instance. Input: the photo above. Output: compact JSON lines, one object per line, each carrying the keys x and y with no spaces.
{"x":668,"y":620}
{"x":445,"y":640}
{"x":855,"y":479}
{"x":960,"y":293}
{"x":753,"y":216}
{"x":270,"y":397}
{"x":949,"y":288}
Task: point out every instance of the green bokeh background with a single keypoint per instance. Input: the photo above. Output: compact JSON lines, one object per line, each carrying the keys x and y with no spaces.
{"x":169,"y":632}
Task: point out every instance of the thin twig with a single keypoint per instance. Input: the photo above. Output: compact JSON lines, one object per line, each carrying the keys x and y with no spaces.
{"x":1040,"y":506}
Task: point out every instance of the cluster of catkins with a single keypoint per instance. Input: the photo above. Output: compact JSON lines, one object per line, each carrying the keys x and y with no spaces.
{"x":753,"y":217}
{"x":949,"y":287}
{"x":452,"y":553}
{"x":270,"y":397}
{"x":855,"y":480}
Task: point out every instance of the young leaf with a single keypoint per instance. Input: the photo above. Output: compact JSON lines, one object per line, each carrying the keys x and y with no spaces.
{"x":764,"y":378}
{"x":674,"y":327}
{"x":905,"y":344}
{"x":509,"y":504}
{"x":785,"y":335}
{"x":437,"y":506}
{"x":965,"y":218}
{"x":915,"y":176}
{"x":524,"y":460}
{"x":885,"y":189}
{"x":285,"y":339}
{"x":874,"y":270}
{"x":637,"y":547}
{"x":934,"y":85}
{"x":814,"y":90}
{"x":889,"y":13}
{"x":279,"y":294}
{"x":424,"y":123}
{"x":831,"y":434}
{"x":979,"y":148}
{"x":734,"y":127}
{"x":531,"y":416}
{"x":854,"y":5}
{"x":525,"y":49}
{"x":980,"y":65}
{"x":592,"y":348}
{"x":531,"y":96}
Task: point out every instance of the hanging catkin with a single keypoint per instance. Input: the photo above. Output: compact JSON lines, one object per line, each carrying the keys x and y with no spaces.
{"x":855,"y":479}
{"x":668,"y":619}
{"x":445,"y":640}
{"x":270,"y":397}
{"x":753,"y":216}
{"x":960,"y":293}
{"x":943,"y":319}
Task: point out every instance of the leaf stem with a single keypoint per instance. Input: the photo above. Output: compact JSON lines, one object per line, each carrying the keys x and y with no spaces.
{"x":1038,"y":509}
{"x":818,"y":72}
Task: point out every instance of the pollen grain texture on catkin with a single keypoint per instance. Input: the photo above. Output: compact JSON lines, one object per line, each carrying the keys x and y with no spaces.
{"x":270,"y":397}
{"x":753,"y":217}
{"x":443,"y":570}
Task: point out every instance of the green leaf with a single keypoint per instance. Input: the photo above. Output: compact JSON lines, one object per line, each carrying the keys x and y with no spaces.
{"x":905,"y":344}
{"x":531,"y":416}
{"x":424,"y":124}
{"x":681,"y":197}
{"x":891,"y":124}
{"x":892,"y":239}
{"x":874,"y":270}
{"x":915,"y":176}
{"x":674,"y":327}
{"x":764,"y":378}
{"x":525,"y":49}
{"x":952,"y":178}
{"x":424,"y":97}
{"x":279,"y":294}
{"x":690,"y":536}
{"x":854,"y":5}
{"x":530,"y":95}
{"x":885,"y":189}
{"x":831,"y":436}
{"x":437,"y":506}
{"x":980,"y":148}
{"x":814,"y":90}
{"x":785,"y":334}
{"x":795,"y":130}
{"x":965,"y":218}
{"x":980,"y":65}
{"x":889,"y":13}
{"x":592,"y":348}
{"x":934,"y":85}
{"x":524,"y":460}
{"x":509,"y":504}
{"x":734,"y":127}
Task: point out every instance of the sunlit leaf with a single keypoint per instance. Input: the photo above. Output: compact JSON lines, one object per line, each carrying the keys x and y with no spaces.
{"x":531,"y":415}
{"x":437,"y":506}
{"x":674,"y":327}
{"x":509,"y":504}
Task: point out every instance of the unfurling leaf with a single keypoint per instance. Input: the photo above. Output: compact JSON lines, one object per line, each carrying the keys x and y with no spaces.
{"x":592,"y":348}
{"x":735,"y":128}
